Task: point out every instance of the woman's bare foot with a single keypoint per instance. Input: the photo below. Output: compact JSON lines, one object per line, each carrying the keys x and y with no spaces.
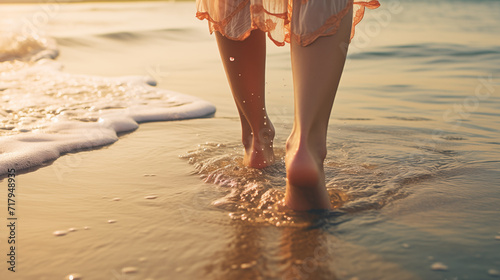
{"x":244,"y":62}
{"x":316,"y":70}
{"x":305,"y":187}
{"x":259,"y":147}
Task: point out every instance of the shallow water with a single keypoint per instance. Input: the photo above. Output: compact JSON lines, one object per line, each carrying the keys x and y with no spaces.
{"x":412,"y":168}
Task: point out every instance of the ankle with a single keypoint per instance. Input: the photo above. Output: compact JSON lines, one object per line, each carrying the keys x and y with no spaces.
{"x":298,"y":143}
{"x":264,"y":134}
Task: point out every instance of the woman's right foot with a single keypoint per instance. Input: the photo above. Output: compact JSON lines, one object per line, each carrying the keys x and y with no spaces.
{"x":305,"y":186}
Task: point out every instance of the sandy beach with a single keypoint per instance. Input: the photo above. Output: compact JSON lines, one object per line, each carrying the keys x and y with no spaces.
{"x":412,"y":165}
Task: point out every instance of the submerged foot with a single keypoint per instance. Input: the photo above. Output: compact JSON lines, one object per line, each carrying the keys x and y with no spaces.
{"x":259,"y":148}
{"x":305,"y":187}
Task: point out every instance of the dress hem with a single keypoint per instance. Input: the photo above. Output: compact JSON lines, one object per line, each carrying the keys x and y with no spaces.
{"x":332,"y":23}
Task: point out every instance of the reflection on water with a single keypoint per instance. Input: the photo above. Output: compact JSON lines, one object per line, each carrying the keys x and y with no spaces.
{"x":295,"y":253}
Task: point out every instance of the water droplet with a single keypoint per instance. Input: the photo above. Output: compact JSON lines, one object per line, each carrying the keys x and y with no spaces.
{"x":265,"y":117}
{"x":72,"y":229}
{"x":111,"y":221}
{"x":239,"y":74}
{"x":263,"y":109}
{"x":265,"y":162}
{"x":265,"y":123}
{"x":116,"y":199}
{"x":231,"y":58}
{"x":151,"y":197}
{"x":244,"y":101}
{"x":251,"y":93}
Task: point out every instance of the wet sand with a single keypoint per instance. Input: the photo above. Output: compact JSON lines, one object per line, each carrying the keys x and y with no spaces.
{"x":177,"y":235}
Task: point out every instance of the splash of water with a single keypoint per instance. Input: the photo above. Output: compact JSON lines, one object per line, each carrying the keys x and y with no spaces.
{"x":354,"y":182}
{"x":252,"y":195}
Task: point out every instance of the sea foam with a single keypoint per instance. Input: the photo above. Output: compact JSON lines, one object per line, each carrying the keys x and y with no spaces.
{"x":45,"y":112}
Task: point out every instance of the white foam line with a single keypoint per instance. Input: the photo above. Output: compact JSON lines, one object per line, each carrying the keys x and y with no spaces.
{"x":32,"y":149}
{"x":44,"y":105}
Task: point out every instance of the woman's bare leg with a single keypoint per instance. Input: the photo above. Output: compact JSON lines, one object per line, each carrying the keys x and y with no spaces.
{"x":317,"y":69}
{"x":244,"y":62}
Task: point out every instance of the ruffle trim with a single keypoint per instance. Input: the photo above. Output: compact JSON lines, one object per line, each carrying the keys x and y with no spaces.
{"x":332,"y":23}
{"x":219,"y":26}
{"x":360,"y":13}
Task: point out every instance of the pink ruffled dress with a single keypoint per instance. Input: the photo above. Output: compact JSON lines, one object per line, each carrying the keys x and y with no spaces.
{"x":283,"y":20}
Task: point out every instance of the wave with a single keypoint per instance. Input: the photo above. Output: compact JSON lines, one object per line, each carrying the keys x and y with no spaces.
{"x":179,"y":34}
{"x":455,"y":52}
{"x":17,"y":43}
{"x":45,"y":112}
